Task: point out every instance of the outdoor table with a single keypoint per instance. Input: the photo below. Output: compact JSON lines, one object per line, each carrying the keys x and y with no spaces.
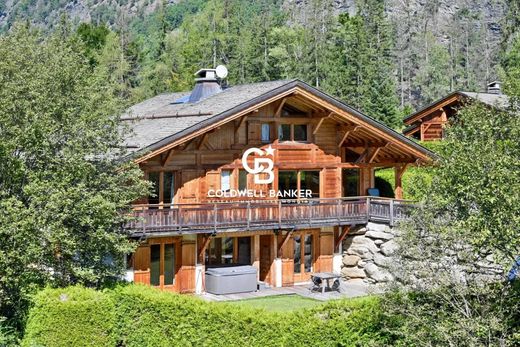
{"x":324,"y":277}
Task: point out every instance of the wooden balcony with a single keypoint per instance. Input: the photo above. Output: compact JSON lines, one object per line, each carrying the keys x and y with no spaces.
{"x":265,"y":215}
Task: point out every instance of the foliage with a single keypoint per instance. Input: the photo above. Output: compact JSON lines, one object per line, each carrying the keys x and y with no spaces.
{"x":62,"y":193}
{"x":73,"y":317}
{"x":137,"y":315}
{"x":457,"y":316}
{"x":449,"y":268}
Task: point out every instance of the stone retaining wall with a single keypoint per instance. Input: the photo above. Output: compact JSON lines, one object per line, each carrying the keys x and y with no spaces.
{"x":367,"y":253}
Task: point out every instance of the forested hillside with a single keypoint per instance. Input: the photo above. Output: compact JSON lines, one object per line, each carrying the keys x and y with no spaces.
{"x":383,"y":57}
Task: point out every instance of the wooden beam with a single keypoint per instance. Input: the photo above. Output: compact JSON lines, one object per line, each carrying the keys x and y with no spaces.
{"x":240,"y":123}
{"x":202,"y":140}
{"x":341,"y":237}
{"x":374,"y":154}
{"x":284,"y":241}
{"x":398,"y":173}
{"x":202,"y":247}
{"x":167,"y":157}
{"x":363,"y":155}
{"x":279,"y":108}
{"x":320,"y":123}
{"x":348,"y":130}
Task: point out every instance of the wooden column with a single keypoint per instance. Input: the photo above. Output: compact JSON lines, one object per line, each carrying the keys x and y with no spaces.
{"x":399,"y":171}
{"x":256,"y":255}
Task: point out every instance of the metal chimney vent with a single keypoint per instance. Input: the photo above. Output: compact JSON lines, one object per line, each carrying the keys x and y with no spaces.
{"x":206,"y":85}
{"x":494,"y":88}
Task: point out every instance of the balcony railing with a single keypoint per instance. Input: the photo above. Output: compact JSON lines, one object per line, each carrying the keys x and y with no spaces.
{"x":262,"y":215}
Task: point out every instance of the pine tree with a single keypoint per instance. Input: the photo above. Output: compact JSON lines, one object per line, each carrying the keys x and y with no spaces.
{"x":361,"y":69}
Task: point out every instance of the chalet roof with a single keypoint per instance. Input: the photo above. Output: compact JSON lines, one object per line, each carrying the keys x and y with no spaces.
{"x":172,"y":118}
{"x":495,"y":100}
{"x":160,"y":121}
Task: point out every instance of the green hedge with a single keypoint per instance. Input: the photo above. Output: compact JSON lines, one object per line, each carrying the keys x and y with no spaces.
{"x":72,"y":317}
{"x":136,"y":315}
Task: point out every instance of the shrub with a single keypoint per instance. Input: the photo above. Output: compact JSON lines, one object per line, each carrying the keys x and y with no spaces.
{"x":75,"y":316}
{"x":136,"y":315}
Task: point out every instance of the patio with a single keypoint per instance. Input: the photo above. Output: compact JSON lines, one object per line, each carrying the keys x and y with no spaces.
{"x":348,"y":289}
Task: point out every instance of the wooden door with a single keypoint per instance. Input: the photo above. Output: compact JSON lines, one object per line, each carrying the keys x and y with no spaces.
{"x":164,"y":263}
{"x":303,"y":255}
{"x":265,"y":257}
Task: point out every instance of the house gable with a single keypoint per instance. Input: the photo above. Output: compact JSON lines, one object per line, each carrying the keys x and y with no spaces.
{"x":362,"y":131}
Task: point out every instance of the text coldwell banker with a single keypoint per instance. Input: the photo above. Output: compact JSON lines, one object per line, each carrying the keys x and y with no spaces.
{"x":251,"y":193}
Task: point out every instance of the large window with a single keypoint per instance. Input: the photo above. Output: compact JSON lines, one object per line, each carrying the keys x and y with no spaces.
{"x":350,"y":180}
{"x":162,"y":194}
{"x":292,"y":132}
{"x":308,"y":181}
{"x":229,"y":250}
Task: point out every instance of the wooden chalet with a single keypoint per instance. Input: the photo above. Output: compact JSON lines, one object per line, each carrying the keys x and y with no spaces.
{"x":324,"y":152}
{"x":428,"y":123}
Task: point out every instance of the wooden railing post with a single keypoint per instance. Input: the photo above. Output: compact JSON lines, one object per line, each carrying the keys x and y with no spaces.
{"x":280,"y":214}
{"x":179,"y":218}
{"x":144,"y":219}
{"x":392,"y":212}
{"x":215,"y":217}
{"x":311,"y":206}
{"x":248,"y":214}
{"x":368,"y":208}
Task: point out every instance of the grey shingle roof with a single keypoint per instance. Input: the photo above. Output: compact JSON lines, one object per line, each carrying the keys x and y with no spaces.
{"x":182,"y":119}
{"x":146,"y":132}
{"x":496,"y":100}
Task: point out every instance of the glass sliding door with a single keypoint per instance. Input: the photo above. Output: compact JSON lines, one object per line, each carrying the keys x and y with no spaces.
{"x":310,"y":182}
{"x":297,"y":254}
{"x":163,"y":191}
{"x":287,"y":184}
{"x":155,"y":265}
{"x":169,"y":188}
{"x":350,"y":182}
{"x":303,"y":245}
{"x":162,"y":264}
{"x":169,"y":263}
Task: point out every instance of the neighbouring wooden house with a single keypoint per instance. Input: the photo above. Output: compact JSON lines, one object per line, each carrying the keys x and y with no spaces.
{"x":311,"y":161}
{"x":428,"y":123}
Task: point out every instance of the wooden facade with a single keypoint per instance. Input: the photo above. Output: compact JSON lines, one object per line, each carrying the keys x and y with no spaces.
{"x":318,"y":147}
{"x":429,"y":123}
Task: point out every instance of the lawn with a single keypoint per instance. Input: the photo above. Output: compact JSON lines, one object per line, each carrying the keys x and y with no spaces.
{"x":279,"y":303}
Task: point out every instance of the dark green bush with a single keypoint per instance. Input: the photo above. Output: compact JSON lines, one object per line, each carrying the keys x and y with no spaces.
{"x":140,"y":316}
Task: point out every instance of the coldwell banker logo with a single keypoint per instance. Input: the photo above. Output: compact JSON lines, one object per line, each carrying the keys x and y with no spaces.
{"x":260,"y":165}
{"x":262,"y":170}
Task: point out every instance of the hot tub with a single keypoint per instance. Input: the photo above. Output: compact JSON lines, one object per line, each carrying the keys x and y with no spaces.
{"x":231,"y":279}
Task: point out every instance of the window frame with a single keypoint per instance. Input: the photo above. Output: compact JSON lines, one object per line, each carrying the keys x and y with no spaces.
{"x":291,"y":127}
{"x":160,"y":187}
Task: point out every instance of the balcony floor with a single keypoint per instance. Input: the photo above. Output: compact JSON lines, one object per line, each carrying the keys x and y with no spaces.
{"x":349,"y":289}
